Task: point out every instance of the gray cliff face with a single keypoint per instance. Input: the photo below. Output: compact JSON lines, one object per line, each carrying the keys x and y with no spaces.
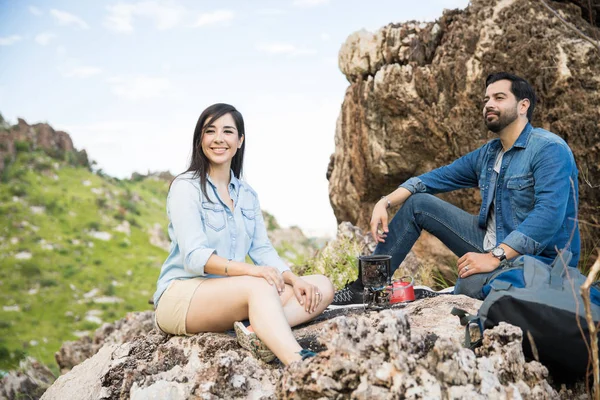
{"x":414,"y":100}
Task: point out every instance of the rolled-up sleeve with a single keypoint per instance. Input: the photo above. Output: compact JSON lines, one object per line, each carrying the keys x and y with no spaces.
{"x":184,"y":211}
{"x":462,"y":173}
{"x":261,"y":250}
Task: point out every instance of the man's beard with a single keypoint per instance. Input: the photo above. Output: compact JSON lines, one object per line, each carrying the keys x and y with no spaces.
{"x":503,"y":119}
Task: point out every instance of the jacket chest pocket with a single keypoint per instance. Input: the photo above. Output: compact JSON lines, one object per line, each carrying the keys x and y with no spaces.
{"x":249,"y":220}
{"x":214,"y":216}
{"x":522,"y":194}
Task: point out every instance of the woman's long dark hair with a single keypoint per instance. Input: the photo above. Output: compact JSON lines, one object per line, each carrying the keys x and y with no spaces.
{"x":199,"y":163}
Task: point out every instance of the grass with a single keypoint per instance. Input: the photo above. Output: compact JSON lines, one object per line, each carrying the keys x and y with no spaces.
{"x":50,"y":285}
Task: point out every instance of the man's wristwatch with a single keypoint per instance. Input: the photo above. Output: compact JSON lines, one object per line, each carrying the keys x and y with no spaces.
{"x":498,"y":252}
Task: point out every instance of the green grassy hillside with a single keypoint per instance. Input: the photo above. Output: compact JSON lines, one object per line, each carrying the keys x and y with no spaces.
{"x":75,"y":251}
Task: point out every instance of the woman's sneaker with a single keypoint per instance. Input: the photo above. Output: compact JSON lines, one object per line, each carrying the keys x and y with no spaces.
{"x":249,"y":341}
{"x":348,"y":295}
{"x":305,"y":353}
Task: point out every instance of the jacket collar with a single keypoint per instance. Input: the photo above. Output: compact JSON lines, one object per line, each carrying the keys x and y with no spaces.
{"x":233,"y":182}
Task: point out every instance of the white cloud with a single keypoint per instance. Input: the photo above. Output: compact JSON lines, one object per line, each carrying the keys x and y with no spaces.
{"x":44,"y":38}
{"x":218,"y":17}
{"x":66,"y":19}
{"x":120,"y":16}
{"x":35,"y":11}
{"x":310,"y":3}
{"x":73,"y":69}
{"x":61,"y":50}
{"x":9,"y":40}
{"x":139,"y":87}
{"x":270,"y":11}
{"x":283,"y":48}
{"x":325,"y":37}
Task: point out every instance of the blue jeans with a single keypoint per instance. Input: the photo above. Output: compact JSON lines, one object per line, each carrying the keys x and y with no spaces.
{"x":456,"y":228}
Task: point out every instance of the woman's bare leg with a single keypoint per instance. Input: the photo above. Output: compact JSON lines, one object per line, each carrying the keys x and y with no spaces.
{"x":218,"y":303}
{"x":295,"y":312}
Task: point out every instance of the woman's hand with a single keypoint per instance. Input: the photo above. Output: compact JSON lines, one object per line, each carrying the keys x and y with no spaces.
{"x":271,"y":274}
{"x":379,"y":217}
{"x":307,"y":294}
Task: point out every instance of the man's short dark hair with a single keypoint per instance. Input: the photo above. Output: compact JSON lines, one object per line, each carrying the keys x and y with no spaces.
{"x":519,"y":87}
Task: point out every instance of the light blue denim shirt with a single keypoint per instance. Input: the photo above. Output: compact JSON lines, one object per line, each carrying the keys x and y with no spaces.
{"x":199,"y":228}
{"x":536,"y":203}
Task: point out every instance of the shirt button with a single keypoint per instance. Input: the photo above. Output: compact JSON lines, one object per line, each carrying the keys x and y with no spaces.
{"x":230,"y":217}
{"x":489,"y":169}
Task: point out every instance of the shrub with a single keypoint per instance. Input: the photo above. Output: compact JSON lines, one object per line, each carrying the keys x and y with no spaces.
{"x":42,"y":165}
{"x":69,"y":270}
{"x":53,"y":207}
{"x":95,"y":226}
{"x":48,"y":282}
{"x":29,"y":268}
{"x":18,"y":190}
{"x":101,"y":202}
{"x":110,"y":290}
{"x":22,"y":146}
{"x":130,"y":206}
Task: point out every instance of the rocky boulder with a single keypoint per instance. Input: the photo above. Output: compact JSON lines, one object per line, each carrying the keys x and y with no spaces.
{"x":410,"y":351}
{"x":57,"y":144}
{"x":414,"y":100}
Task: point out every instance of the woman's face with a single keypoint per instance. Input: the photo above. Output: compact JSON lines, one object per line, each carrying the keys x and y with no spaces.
{"x":220,"y":140}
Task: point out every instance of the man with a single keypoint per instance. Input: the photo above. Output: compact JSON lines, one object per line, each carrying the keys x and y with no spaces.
{"x":527,"y":178}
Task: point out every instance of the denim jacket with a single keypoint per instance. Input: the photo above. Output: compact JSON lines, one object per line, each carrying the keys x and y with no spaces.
{"x":199,"y":228}
{"x":536,"y":192}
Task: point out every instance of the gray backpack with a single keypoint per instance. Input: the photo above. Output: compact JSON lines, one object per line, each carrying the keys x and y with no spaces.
{"x":544,"y":301}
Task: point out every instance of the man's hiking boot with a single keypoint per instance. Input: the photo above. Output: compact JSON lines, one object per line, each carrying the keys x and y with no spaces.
{"x":348,"y":295}
{"x":249,"y":341}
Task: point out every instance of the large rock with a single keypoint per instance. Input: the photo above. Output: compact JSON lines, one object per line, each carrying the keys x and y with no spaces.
{"x":415,"y":97}
{"x":412,"y":351}
{"x":41,"y":136}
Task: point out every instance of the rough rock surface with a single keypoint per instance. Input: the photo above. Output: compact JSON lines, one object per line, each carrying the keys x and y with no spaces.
{"x":123,"y":330}
{"x":28,"y":382}
{"x":38,"y":136}
{"x":412,"y":351}
{"x":414,"y":100}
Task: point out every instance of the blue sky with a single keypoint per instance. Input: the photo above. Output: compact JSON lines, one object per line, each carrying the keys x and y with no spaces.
{"x":128,"y":80}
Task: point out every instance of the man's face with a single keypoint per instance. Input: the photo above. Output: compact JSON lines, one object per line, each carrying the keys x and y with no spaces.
{"x":499,"y":106}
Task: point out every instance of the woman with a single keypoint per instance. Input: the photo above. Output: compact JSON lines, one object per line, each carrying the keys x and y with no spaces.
{"x":215,"y":220}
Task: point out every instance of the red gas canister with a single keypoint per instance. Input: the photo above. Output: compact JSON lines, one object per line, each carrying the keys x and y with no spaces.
{"x":402,"y":290}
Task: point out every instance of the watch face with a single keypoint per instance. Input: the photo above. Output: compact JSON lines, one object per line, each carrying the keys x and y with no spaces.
{"x":498,"y":252}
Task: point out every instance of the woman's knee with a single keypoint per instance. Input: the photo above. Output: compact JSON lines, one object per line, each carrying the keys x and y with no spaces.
{"x":325,"y":286}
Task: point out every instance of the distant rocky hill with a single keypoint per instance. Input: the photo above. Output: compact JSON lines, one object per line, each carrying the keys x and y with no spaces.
{"x":414,"y":99}
{"x":79,"y":248}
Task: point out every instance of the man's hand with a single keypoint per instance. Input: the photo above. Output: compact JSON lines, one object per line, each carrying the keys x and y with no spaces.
{"x":379,"y":218}
{"x":476,"y":263}
{"x":307,"y":294}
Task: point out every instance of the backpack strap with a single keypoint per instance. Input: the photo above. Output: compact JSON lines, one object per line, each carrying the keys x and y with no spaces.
{"x":466,"y":320}
{"x":560,"y":263}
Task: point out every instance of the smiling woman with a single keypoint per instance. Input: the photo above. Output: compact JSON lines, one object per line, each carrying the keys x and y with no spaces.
{"x":215,"y":221}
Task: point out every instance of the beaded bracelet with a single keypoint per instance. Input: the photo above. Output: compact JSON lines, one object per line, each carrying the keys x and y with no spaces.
{"x":227,"y":266}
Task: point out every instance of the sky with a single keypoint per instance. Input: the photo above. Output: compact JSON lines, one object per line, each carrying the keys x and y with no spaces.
{"x":128,"y":80}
